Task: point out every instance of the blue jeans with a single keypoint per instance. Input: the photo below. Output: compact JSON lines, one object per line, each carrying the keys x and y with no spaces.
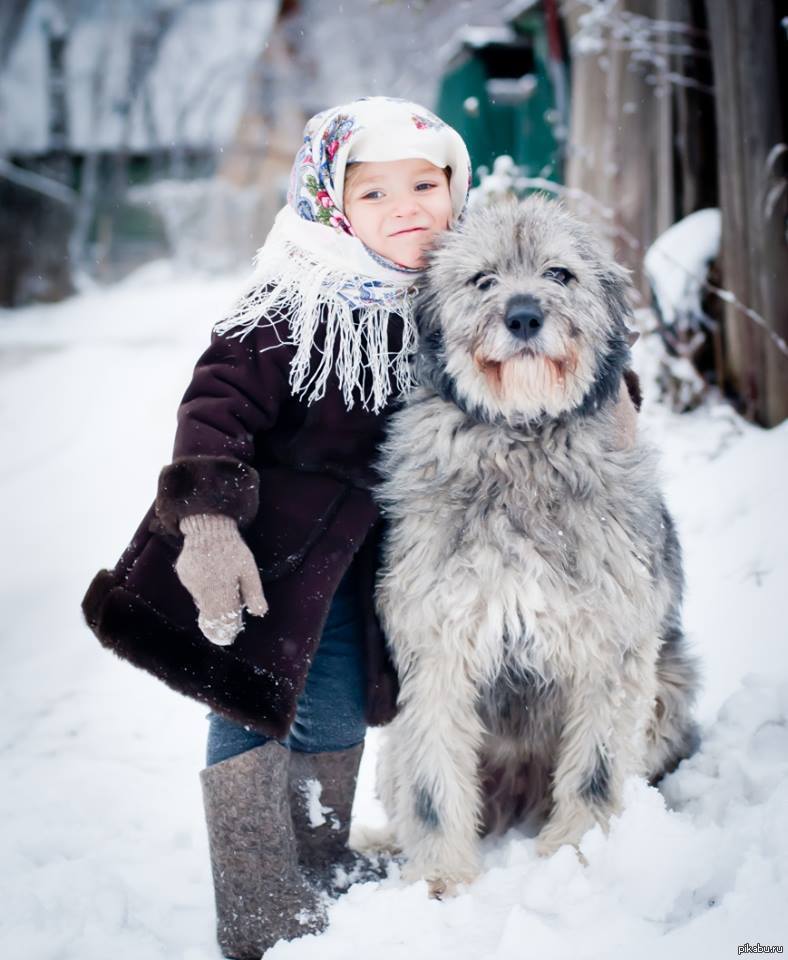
{"x":330,"y":711}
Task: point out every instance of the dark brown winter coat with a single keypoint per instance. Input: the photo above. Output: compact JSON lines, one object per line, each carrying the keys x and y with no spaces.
{"x":297,"y":479}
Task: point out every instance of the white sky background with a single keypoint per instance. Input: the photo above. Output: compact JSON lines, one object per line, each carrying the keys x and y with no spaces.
{"x":101,"y":833}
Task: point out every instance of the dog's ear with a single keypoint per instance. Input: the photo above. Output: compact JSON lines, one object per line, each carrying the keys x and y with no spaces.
{"x":617,"y":290}
{"x":614,"y":359}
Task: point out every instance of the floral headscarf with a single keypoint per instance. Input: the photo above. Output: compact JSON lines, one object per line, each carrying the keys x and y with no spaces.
{"x":312,"y":268}
{"x":337,"y":137}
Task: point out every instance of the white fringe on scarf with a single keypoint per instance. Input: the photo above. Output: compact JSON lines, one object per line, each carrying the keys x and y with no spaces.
{"x":311,"y":291}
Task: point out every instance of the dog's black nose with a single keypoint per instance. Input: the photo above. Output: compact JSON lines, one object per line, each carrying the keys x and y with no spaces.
{"x":524,"y":317}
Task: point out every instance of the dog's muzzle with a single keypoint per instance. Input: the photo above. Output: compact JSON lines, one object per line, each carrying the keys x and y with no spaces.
{"x":524,"y":317}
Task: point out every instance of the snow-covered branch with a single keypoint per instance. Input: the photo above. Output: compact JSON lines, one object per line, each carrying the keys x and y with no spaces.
{"x":604,"y":28}
{"x":37,"y":183}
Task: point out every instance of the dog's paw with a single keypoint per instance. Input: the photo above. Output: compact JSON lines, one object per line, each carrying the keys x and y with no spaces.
{"x":374,"y":840}
{"x":441,"y":884}
{"x":566,"y":830}
{"x":440,"y":889}
{"x":549,"y":843}
{"x":547,"y":846}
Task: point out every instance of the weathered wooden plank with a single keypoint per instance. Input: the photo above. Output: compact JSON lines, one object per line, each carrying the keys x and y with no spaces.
{"x":750,"y":109}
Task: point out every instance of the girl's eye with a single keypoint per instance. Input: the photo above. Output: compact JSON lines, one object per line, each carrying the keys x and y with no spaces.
{"x":423,"y":187}
{"x":483,"y":281}
{"x":559,"y":275}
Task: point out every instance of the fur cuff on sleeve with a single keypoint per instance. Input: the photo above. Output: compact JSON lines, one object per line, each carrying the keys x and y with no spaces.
{"x":205,"y":484}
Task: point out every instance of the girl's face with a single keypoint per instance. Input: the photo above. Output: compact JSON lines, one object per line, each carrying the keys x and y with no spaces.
{"x":398,"y":207}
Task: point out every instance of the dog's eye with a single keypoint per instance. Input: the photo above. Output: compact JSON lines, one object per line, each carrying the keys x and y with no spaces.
{"x":559,"y":274}
{"x":483,"y":281}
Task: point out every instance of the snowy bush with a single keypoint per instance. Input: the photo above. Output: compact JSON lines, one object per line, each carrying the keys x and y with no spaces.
{"x":677,"y":264}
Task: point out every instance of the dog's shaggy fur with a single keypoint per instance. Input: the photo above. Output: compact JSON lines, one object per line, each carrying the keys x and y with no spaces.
{"x":531,"y":583}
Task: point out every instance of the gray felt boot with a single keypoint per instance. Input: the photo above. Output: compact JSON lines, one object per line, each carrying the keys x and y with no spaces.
{"x":322,"y":787}
{"x":261,"y":894}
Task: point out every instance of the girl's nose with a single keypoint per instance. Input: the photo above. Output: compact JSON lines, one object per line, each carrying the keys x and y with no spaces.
{"x":405,"y":205}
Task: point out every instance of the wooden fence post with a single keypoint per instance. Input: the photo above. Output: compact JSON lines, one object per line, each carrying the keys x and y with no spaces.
{"x":749,"y":52}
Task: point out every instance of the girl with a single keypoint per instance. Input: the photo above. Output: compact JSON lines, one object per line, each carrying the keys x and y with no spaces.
{"x":276,"y":436}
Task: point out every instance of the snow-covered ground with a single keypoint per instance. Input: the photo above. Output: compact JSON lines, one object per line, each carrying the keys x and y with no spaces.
{"x":101,"y":836}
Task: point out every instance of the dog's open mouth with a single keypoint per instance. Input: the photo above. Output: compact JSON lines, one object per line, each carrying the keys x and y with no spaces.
{"x":526,"y":371}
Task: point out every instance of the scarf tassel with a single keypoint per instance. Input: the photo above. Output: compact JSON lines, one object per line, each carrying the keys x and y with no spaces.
{"x":313,"y":298}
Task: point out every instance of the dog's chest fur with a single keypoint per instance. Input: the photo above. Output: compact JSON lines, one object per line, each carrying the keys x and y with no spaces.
{"x":544,"y":550}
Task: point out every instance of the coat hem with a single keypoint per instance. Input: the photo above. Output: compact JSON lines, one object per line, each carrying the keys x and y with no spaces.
{"x":133,"y":630}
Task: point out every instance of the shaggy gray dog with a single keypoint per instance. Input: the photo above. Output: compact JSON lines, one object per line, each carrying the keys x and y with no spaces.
{"x":532,"y":582}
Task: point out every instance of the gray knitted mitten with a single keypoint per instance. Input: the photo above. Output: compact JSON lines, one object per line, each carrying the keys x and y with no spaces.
{"x":219,"y":571}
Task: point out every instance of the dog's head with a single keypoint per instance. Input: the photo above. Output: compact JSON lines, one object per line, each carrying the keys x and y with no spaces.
{"x":523,"y":315}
